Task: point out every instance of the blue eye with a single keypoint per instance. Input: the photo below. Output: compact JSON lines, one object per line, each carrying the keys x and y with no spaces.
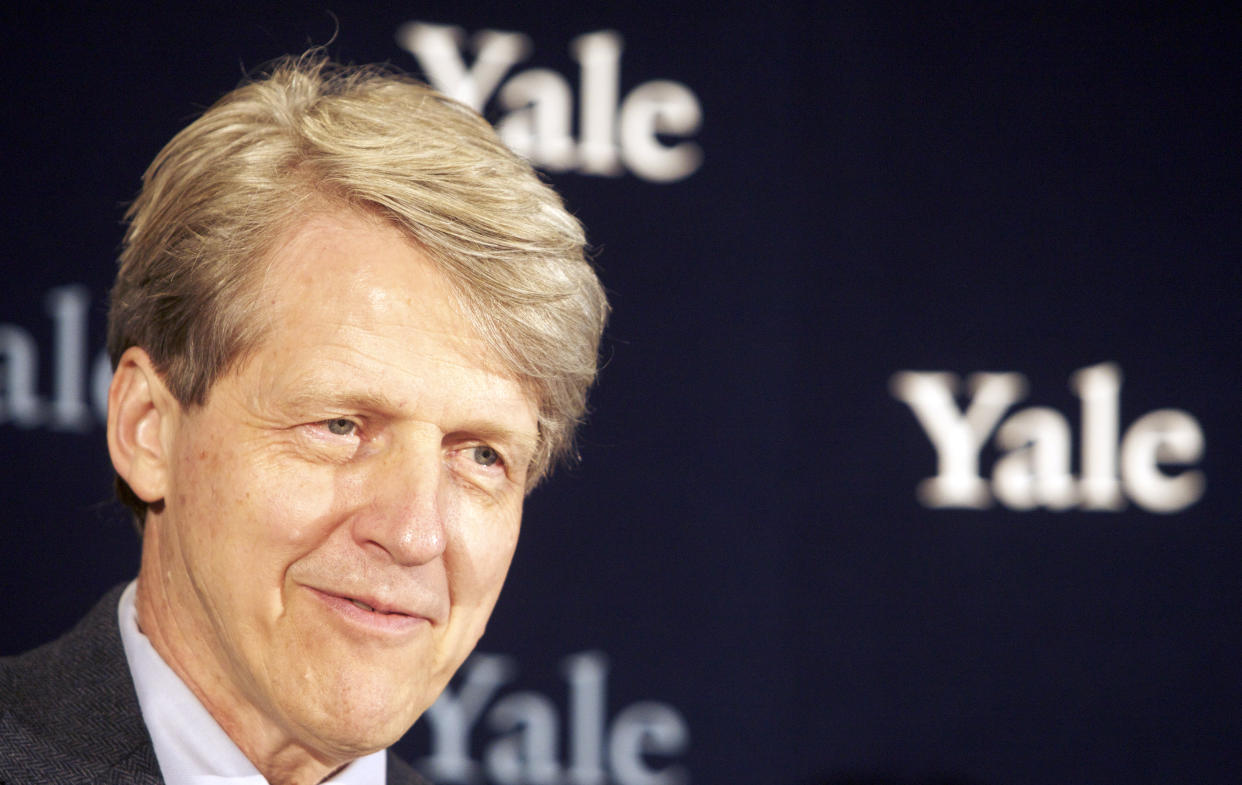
{"x":484,"y":455}
{"x":341,"y":426}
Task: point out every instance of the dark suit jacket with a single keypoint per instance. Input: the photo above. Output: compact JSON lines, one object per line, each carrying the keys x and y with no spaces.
{"x":69,"y":713}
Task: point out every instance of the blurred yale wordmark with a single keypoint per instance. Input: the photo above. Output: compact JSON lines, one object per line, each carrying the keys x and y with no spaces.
{"x":1036,"y":445}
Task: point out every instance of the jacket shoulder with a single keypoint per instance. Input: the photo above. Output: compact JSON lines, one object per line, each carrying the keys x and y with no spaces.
{"x":69,"y":712}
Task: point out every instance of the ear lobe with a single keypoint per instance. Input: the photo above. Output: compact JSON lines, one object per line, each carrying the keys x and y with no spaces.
{"x":140,"y":411}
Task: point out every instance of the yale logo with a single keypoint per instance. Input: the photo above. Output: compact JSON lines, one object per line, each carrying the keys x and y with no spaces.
{"x":1034,"y":469}
{"x":638,"y":747}
{"x":74,"y":374}
{"x":614,"y":134}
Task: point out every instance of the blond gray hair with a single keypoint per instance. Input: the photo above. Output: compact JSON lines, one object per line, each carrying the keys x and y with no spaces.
{"x":306,"y":130}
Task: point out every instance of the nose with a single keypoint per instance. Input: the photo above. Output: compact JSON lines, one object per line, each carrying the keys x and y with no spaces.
{"x":404,"y":510}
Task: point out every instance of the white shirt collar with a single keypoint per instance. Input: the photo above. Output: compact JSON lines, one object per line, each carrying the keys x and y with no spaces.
{"x":191,"y":747}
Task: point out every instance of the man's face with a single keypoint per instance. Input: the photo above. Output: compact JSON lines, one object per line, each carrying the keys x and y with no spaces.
{"x":341,"y":513}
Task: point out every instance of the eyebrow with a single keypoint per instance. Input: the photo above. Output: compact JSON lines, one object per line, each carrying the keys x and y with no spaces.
{"x":312,"y":394}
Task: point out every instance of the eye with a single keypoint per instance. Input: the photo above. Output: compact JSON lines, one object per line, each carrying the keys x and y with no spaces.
{"x":341,"y":426}
{"x":484,"y":455}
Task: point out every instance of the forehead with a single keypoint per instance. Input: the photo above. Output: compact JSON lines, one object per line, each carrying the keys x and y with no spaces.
{"x":338,"y":263}
{"x":347,"y":288}
{"x":353,"y":257}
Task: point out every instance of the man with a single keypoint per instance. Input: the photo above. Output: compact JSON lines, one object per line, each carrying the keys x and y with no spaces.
{"x":350,"y":332}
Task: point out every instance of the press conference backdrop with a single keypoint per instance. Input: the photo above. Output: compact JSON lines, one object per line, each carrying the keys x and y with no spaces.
{"x":913,"y":457}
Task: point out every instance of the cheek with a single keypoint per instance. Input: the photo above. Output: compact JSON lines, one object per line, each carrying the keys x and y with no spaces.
{"x":478,"y":558}
{"x":253,"y":511}
{"x":298,"y":505}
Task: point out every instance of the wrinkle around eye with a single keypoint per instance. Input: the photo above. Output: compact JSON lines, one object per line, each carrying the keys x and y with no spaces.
{"x":492,"y":478}
{"x":322,"y":441}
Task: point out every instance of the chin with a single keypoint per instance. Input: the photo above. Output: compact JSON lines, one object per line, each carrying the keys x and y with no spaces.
{"x":345,"y":738}
{"x":359,"y":724}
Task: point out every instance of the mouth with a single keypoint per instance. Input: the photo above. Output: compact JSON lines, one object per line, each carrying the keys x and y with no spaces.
{"x":369,"y":613}
{"x":371,"y":609}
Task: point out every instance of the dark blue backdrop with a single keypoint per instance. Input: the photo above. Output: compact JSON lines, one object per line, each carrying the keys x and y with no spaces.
{"x":883,"y":189}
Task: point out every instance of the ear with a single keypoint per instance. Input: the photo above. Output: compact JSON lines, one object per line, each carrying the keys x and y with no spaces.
{"x":141,"y":415}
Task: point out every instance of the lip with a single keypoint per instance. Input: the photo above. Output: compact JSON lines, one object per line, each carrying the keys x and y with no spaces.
{"x":384,"y":619}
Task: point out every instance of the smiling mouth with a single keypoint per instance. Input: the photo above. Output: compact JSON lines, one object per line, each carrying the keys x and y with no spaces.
{"x":384,"y":620}
{"x":369,"y":609}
